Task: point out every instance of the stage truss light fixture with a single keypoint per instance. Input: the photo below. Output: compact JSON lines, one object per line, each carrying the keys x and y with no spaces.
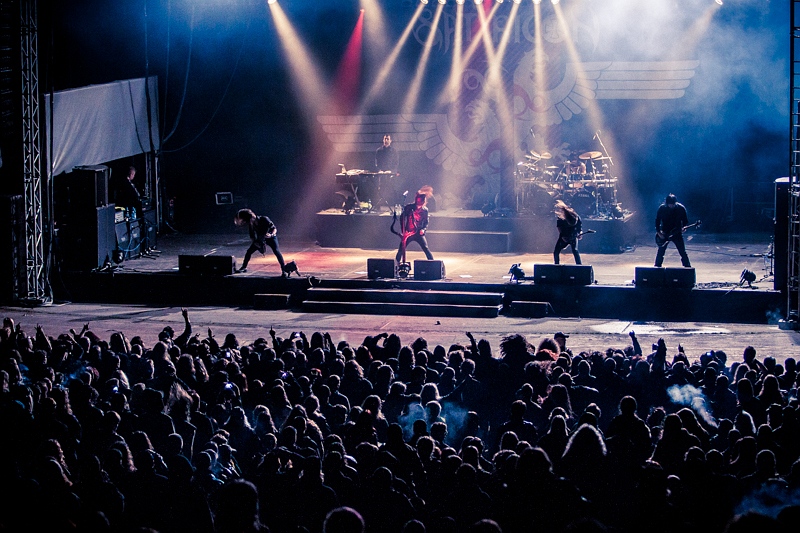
{"x":478,"y":2}
{"x":718,"y":1}
{"x":554,"y":2}
{"x":423,"y":2}
{"x":537,"y":2}
{"x":517,"y":1}
{"x":271,"y":1}
{"x":443,"y":2}
{"x":460,"y":2}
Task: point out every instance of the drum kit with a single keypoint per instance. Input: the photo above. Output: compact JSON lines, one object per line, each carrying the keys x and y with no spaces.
{"x":582,"y":182}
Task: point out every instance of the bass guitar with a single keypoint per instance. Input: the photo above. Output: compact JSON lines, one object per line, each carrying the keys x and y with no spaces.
{"x":663,"y":241}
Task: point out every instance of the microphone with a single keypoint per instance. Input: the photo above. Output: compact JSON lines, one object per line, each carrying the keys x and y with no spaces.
{"x":596,"y":134}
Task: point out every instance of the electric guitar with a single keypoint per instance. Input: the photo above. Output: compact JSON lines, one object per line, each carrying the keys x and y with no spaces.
{"x":663,"y":241}
{"x":579,"y":235}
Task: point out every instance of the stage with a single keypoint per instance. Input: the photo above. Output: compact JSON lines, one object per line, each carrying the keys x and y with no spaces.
{"x":335,"y":280}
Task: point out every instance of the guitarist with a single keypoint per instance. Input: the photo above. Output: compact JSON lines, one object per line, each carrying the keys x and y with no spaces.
{"x":263,"y":233}
{"x":568,"y":223}
{"x":671,"y":222}
{"x":413,"y":222}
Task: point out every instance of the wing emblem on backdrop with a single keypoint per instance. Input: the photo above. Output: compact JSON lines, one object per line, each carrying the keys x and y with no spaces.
{"x":582,"y":83}
{"x":598,"y":80}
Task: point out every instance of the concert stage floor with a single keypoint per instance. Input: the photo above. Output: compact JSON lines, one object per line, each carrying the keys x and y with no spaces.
{"x":718,"y":259}
{"x":328,"y":274}
{"x":140,"y":297}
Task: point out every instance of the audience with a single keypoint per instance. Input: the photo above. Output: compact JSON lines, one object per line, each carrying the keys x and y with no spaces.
{"x":290,"y":435}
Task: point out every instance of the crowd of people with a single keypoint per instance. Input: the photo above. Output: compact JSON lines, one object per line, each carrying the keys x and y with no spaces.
{"x":291,"y":434}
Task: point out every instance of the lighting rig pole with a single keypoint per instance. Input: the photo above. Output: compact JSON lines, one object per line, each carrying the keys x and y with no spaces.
{"x":31,"y":150}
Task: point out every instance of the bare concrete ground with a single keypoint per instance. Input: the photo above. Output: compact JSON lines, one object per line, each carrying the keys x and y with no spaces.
{"x":248,"y":325}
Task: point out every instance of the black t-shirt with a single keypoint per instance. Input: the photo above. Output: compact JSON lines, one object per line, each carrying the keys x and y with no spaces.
{"x":669,"y":219}
{"x":387,"y":158}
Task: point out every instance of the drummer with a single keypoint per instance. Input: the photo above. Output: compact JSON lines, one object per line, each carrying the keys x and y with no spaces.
{"x":576,"y":167}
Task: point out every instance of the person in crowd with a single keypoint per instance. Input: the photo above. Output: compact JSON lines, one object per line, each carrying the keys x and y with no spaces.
{"x":295,"y":435}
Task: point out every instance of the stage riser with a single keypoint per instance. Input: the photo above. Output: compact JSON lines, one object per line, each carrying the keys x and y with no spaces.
{"x":529,"y":234}
{"x":401,"y":309}
{"x":404,"y":296}
{"x":594,"y":301}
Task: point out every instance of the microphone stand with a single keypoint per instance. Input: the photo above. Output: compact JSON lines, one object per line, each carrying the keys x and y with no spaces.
{"x":603,"y":146}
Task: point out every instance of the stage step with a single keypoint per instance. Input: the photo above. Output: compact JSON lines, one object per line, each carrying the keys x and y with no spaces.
{"x":271,"y":301}
{"x":527,"y":309}
{"x":487,"y":242}
{"x":403,"y":309}
{"x":403,"y":302}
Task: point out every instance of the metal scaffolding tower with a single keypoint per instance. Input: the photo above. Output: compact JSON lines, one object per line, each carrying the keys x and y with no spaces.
{"x":31,"y":149}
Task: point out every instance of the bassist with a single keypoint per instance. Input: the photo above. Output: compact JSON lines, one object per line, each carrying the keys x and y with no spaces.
{"x":671,"y":222}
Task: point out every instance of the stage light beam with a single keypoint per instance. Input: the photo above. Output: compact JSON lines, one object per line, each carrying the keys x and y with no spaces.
{"x":412,"y":97}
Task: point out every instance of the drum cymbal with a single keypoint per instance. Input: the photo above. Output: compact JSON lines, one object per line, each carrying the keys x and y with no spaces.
{"x":591,"y":155}
{"x":534,"y":155}
{"x":546,"y":155}
{"x":552,"y":167}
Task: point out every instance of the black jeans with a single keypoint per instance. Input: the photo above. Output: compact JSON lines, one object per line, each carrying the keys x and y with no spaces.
{"x":679,"y":244}
{"x":421,"y":240}
{"x":561,"y":244}
{"x":262,"y":247}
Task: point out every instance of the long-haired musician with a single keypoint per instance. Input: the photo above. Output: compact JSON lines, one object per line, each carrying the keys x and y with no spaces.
{"x":263,"y":233}
{"x":568,"y":223}
{"x":413,"y":223}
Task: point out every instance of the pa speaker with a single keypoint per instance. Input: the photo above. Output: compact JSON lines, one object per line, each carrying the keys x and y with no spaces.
{"x":679,"y":277}
{"x":206,"y":265}
{"x":648,"y":277}
{"x":428,"y":270}
{"x":545,"y":273}
{"x":381,"y":268}
{"x":88,"y":244}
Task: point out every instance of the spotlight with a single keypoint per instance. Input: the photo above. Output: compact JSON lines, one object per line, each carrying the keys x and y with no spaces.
{"x":537,"y":2}
{"x":460,"y":2}
{"x":443,"y":2}
{"x":517,"y":1}
{"x":423,"y":2}
{"x":478,"y":1}
{"x":718,"y":1}
{"x":271,"y":1}
{"x":516,"y":272}
{"x":554,"y":2}
{"x":747,"y":276}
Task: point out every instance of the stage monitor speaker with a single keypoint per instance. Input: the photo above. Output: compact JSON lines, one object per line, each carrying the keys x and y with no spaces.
{"x":428,"y":270}
{"x":545,"y":273}
{"x":679,"y":277}
{"x":648,"y":277}
{"x":381,"y":268}
{"x":206,"y":265}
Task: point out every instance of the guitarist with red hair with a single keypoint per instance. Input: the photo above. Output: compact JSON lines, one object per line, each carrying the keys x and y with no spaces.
{"x":413,"y":223}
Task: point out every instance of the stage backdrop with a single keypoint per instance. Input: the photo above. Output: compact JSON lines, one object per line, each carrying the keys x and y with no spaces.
{"x":100,"y":123}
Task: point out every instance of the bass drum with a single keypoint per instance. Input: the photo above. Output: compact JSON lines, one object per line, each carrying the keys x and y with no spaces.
{"x":583,"y":202}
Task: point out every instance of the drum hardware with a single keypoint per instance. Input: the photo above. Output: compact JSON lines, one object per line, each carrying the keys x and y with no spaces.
{"x":591,"y":155}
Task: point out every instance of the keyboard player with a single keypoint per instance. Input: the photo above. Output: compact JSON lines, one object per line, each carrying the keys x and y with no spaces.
{"x":386,"y":157}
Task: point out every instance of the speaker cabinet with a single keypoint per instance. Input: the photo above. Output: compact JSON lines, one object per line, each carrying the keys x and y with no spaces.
{"x":679,"y":278}
{"x":87,"y":243}
{"x":129,"y":238}
{"x":381,"y":268}
{"x":649,"y":277}
{"x":428,"y":270}
{"x":13,"y":276}
{"x":545,"y":273}
{"x":206,"y":265}
{"x":672,"y":277}
{"x":92,"y":180}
